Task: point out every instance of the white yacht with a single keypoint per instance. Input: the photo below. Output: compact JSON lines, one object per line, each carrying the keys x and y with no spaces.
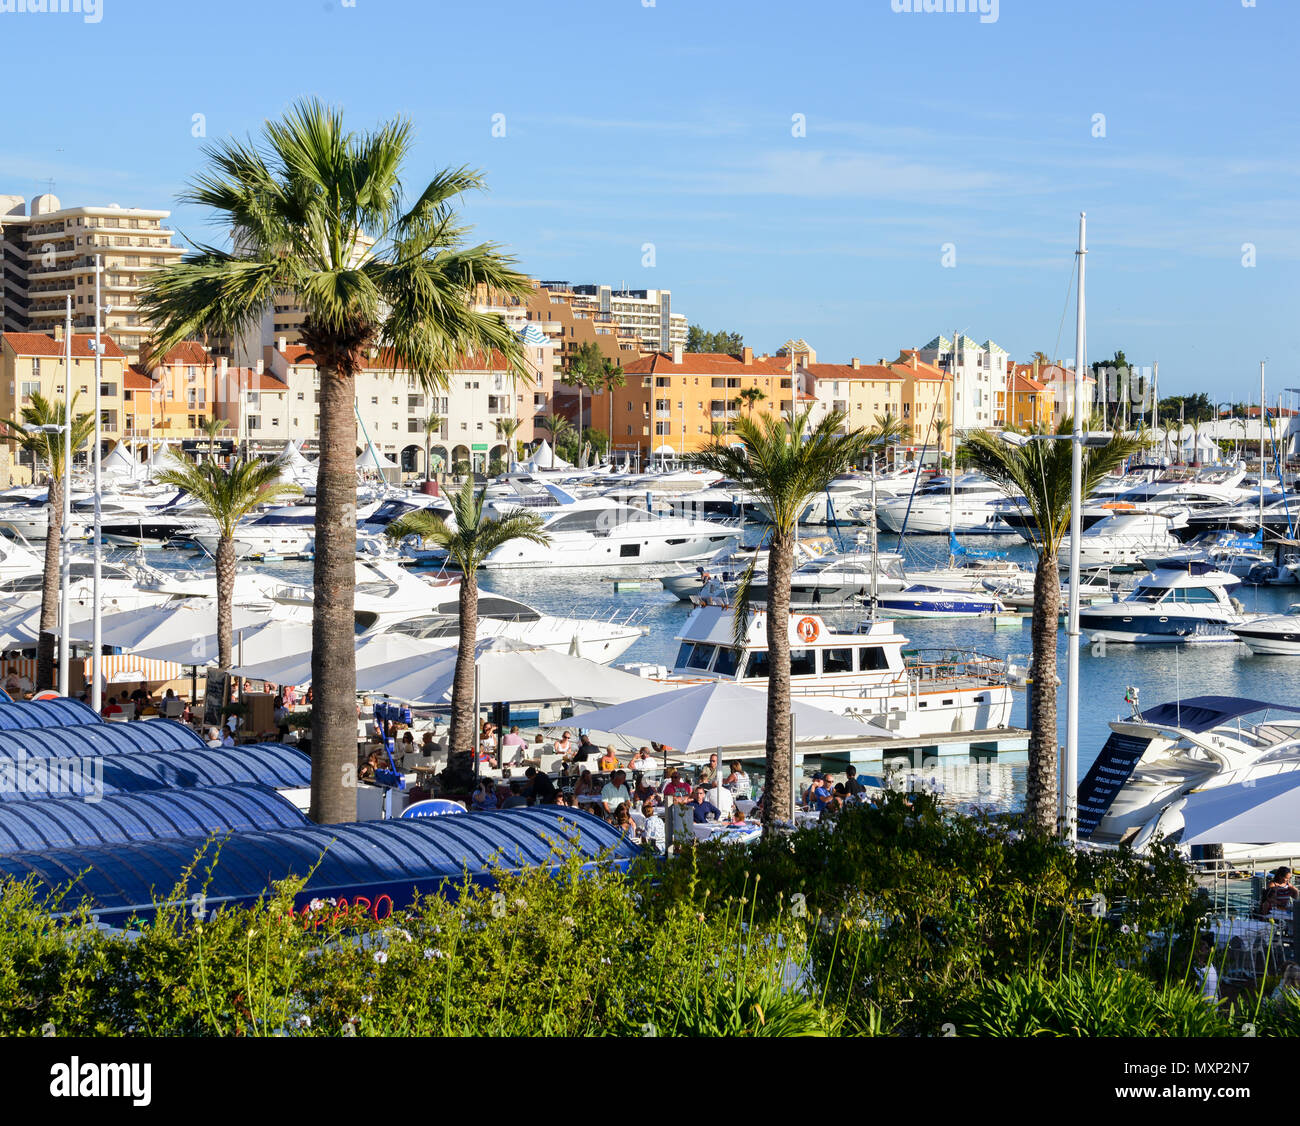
{"x":600,"y":532}
{"x":975,"y":504}
{"x":1123,"y":539}
{"x":861,"y":674}
{"x":1158,"y":756}
{"x":1171,"y":607}
{"x":1272,"y":634}
{"x":839,"y":579}
{"x":1225,"y":550}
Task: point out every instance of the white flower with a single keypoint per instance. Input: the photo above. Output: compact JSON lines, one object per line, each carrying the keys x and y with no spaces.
{"x":521,"y":903}
{"x":568,"y":921}
{"x":381,"y":956}
{"x":367,"y":999}
{"x":1125,"y":929}
{"x":431,"y":953}
{"x":606,"y":962}
{"x":303,"y":1021}
{"x":316,"y":904}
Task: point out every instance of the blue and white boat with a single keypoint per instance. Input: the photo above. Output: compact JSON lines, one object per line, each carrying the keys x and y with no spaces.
{"x":1225,"y":550}
{"x":919,"y":600}
{"x":1171,"y":606}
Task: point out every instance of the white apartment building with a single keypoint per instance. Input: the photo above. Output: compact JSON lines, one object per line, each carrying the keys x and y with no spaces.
{"x":392,"y":407}
{"x":978,"y":372}
{"x":645,"y":314}
{"x":47,"y":252}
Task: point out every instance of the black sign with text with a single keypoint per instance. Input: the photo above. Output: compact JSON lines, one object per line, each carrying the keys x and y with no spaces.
{"x":1113,"y":768}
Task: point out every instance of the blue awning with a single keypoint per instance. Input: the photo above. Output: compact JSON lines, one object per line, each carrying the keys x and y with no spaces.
{"x":370,"y":859}
{"x":1200,"y":713}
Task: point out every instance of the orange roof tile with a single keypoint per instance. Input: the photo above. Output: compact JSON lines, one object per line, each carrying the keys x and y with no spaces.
{"x":38,"y":344}
{"x":257,"y":381}
{"x":705,"y":363}
{"x":136,"y":380}
{"x":848,"y":371}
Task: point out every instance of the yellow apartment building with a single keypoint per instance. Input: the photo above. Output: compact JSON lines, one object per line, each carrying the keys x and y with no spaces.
{"x":33,"y":363}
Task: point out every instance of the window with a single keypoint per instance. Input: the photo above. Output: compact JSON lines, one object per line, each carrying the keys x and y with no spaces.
{"x":31,"y":388}
{"x":701,"y":657}
{"x":374,"y":400}
{"x":837,"y":660}
{"x":803,"y":662}
{"x":725,"y":665}
{"x":254,"y":422}
{"x":275,"y":422}
{"x":872,"y":659}
{"x":36,"y":369}
{"x":758,"y":665}
{"x":302,"y":395}
{"x":108,"y":390}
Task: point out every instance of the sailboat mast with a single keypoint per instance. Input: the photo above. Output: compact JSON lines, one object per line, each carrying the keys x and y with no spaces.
{"x":952,"y":461}
{"x":1261,"y":450}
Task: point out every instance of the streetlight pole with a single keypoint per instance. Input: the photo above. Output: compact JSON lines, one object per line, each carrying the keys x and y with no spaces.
{"x":65,"y":553}
{"x":97,"y":642}
{"x":1070,"y":780}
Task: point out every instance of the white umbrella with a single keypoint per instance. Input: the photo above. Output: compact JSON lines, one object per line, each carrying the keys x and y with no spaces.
{"x":292,"y":640}
{"x":508,"y":672}
{"x":718,"y":713}
{"x":1257,"y":811}
{"x":182,"y":632}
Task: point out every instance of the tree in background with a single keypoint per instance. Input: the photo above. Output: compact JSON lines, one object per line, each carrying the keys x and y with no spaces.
{"x":474,"y":539}
{"x":725,"y":343}
{"x":432,"y":426}
{"x":782,"y":463}
{"x":1040,"y":472}
{"x":212,"y":428}
{"x":506,"y":428}
{"x":51,"y":447}
{"x":751,"y":396}
{"x":227,"y":496}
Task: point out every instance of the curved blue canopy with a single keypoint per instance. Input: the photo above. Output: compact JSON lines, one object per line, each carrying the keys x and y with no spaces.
{"x":270,"y":764}
{"x":21,"y":715}
{"x":148,"y":815}
{"x":371,"y":859}
{"x":91,"y":739}
{"x":1200,"y":713}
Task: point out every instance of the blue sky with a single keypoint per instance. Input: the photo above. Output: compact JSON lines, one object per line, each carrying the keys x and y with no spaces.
{"x":628,"y":123}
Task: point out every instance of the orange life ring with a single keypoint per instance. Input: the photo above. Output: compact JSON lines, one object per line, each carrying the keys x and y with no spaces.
{"x":807,"y":629}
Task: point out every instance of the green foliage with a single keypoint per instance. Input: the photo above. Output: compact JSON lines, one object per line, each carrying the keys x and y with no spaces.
{"x":902,"y":920}
{"x":49,"y":449}
{"x":1108,"y":1002}
{"x":227,"y":495}
{"x":725,"y":343}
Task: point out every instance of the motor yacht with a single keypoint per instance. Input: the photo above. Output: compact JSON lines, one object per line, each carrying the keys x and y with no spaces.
{"x":1224,"y":550}
{"x":1122,"y":540}
{"x":1272,"y":634}
{"x":921,"y":600}
{"x":862,"y":673}
{"x":1158,"y":756}
{"x":1170,"y":606}
{"x":600,"y":532}
{"x":971,"y":505}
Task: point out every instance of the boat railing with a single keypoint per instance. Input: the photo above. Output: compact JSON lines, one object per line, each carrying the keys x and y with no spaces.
{"x":934,"y":665}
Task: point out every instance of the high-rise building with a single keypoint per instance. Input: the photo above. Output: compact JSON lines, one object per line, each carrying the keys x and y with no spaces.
{"x":978,"y":372}
{"x":47,"y":251}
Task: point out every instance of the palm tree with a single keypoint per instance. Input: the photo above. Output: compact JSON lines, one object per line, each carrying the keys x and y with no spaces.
{"x":718,"y":429}
{"x":558,"y":425}
{"x":432,"y":426}
{"x":321,"y":215}
{"x":506,"y":428}
{"x":1040,"y":472}
{"x":212,"y":428}
{"x":752,"y":396}
{"x":227,"y":496}
{"x":472,"y":541}
{"x":783,"y":464}
{"x":941,"y":427}
{"x":611,"y":379}
{"x":46,"y":442}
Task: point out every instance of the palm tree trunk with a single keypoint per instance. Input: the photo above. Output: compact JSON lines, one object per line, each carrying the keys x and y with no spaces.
{"x":50,"y":588}
{"x":225,"y":601}
{"x":333,"y":636}
{"x":776,"y":790}
{"x":1040,"y":792}
{"x":426,"y":457}
{"x":463,"y":736}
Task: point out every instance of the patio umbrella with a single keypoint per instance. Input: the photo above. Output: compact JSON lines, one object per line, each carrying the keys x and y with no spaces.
{"x":183,"y":632}
{"x":1257,"y":811}
{"x":718,"y":713}
{"x":508,"y":672}
{"x":292,"y":641}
